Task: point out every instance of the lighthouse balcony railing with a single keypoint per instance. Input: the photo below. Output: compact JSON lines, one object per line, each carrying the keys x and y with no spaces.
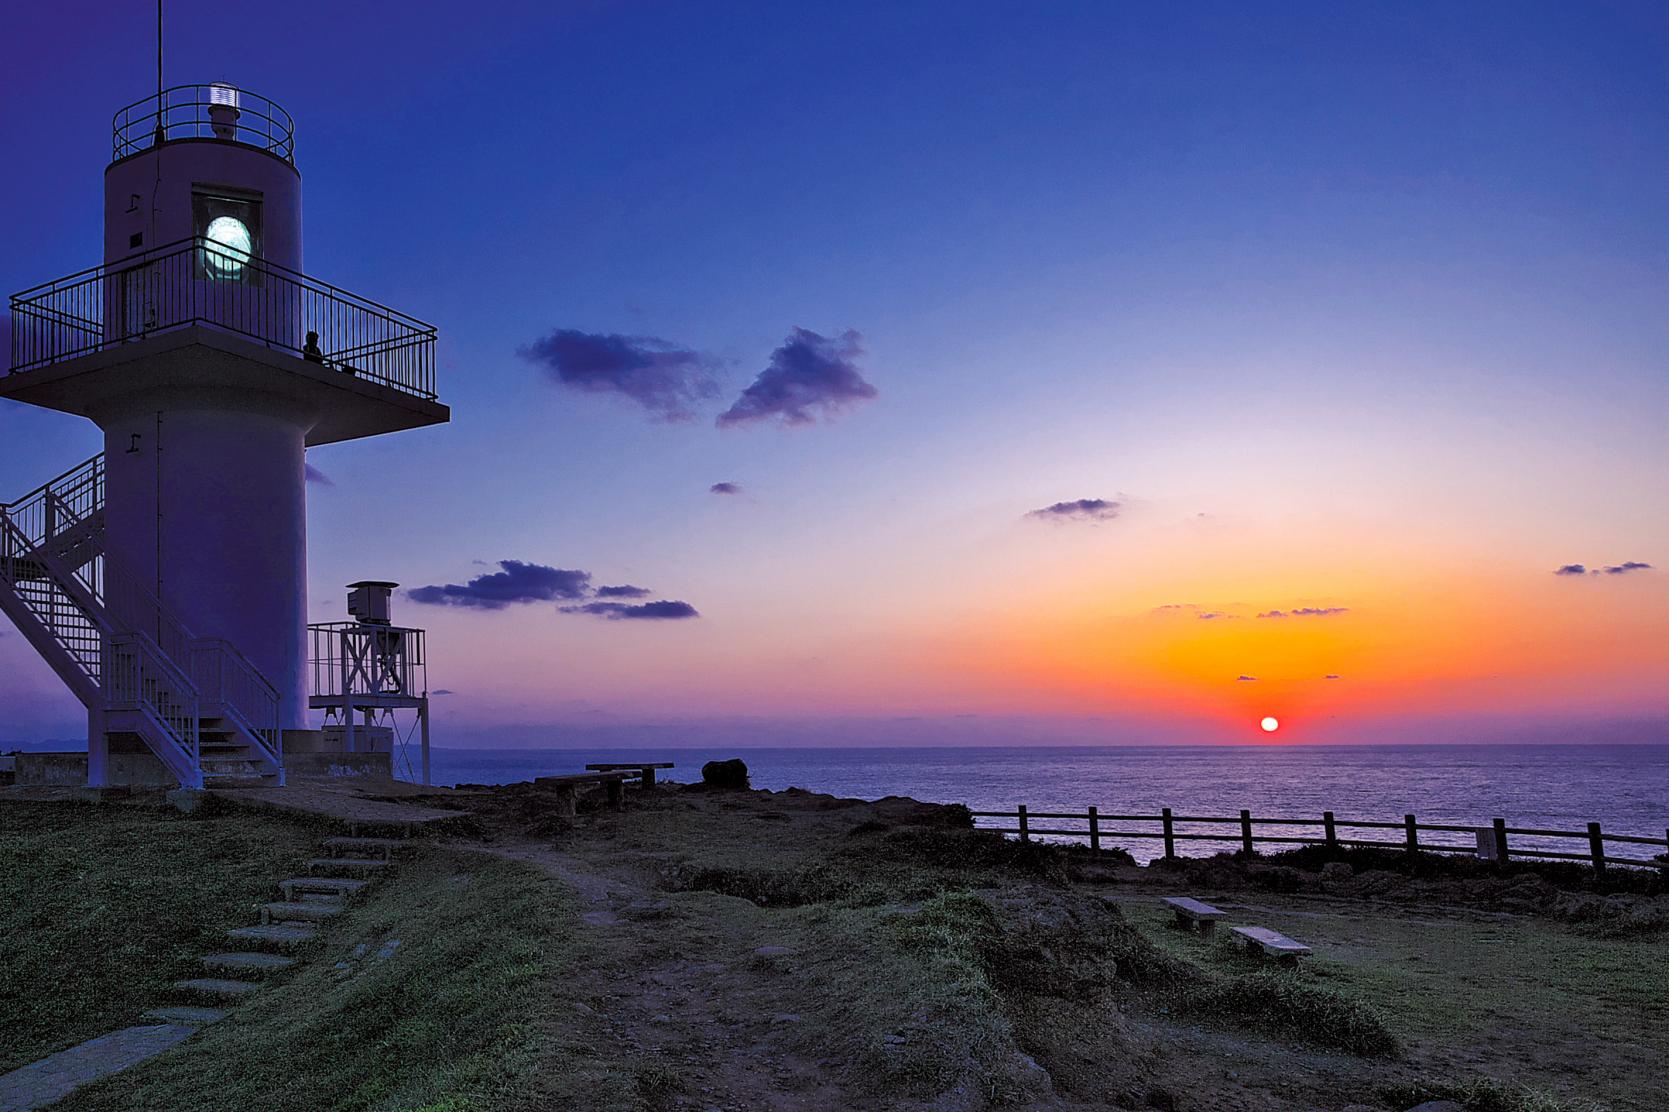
{"x":366,"y":661}
{"x":197,"y":282}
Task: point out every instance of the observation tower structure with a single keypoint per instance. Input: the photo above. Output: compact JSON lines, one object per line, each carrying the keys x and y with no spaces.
{"x":165,"y":579}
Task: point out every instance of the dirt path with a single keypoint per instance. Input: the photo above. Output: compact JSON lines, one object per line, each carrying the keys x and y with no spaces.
{"x":708,"y":1000}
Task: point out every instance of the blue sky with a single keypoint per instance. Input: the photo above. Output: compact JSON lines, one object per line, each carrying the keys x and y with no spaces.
{"x":1377,"y":286}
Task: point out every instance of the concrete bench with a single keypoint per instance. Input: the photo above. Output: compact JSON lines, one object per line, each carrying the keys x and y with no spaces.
{"x":645,"y":769}
{"x":1191,"y":912}
{"x":566,"y":789}
{"x":1262,"y":940}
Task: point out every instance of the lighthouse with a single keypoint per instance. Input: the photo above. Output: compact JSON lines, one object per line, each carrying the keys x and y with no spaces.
{"x":165,"y":580}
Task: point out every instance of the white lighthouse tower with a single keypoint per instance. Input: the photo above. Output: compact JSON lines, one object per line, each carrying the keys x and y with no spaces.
{"x":165,"y":579}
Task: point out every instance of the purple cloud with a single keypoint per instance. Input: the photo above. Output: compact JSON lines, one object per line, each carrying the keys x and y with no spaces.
{"x":725,"y":488}
{"x":1214,"y":615}
{"x":662,"y":610}
{"x":808,"y":375}
{"x":314,"y":475}
{"x":1572,"y":569}
{"x":518,"y":582}
{"x":1332,"y":676}
{"x":1245,"y":679}
{"x":1625,"y":568}
{"x":623,"y":591}
{"x":1082,"y":509}
{"x":1306,"y":612}
{"x":667,"y":380}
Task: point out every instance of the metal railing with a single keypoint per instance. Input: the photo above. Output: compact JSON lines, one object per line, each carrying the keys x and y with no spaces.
{"x":197,"y":282}
{"x":216,"y":111}
{"x":361,"y":659}
{"x":227,"y":681}
{"x":1493,"y":840}
{"x":138,"y":677}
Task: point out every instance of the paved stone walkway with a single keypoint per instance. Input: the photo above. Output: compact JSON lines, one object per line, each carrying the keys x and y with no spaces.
{"x":54,"y":1078}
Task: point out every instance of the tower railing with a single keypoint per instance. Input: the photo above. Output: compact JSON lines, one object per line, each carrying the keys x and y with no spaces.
{"x":203,"y":112}
{"x":197,"y":282}
{"x":130,"y":648}
{"x":364,"y":659}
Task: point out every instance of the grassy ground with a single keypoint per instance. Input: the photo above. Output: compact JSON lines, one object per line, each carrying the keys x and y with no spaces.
{"x":1510,"y":997}
{"x":776,"y":952}
{"x":101,"y":907}
{"x":460,"y":1014}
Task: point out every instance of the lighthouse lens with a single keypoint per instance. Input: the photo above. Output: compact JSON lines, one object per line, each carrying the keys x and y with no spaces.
{"x":229,"y":246}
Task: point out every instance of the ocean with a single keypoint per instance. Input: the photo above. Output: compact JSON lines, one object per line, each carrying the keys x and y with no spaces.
{"x":1623,"y":787}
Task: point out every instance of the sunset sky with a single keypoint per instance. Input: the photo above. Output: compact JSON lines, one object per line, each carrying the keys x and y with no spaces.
{"x":1067,"y":372}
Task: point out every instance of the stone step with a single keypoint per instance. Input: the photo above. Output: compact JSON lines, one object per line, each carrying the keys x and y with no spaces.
{"x":333,"y":885}
{"x":247,"y":961}
{"x":307,"y":911}
{"x":329,"y":865}
{"x":234,"y":780}
{"x":187,"y":1015}
{"x":378,"y":847}
{"x":279,"y":936}
{"x":217,"y":987}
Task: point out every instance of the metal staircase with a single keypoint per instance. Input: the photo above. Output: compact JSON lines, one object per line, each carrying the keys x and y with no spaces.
{"x":196,"y":703}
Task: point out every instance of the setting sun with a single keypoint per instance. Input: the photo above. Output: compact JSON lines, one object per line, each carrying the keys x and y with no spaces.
{"x":1270,"y":725}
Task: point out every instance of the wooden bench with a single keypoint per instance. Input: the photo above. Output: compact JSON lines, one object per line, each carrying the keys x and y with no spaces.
{"x":1191,"y":912}
{"x":645,"y":769}
{"x":1262,"y":940}
{"x":566,"y":789}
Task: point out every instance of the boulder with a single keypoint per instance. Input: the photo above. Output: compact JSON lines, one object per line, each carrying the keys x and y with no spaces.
{"x":725,"y":774}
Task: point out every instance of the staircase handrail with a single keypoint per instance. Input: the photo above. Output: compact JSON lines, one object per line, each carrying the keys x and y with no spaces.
{"x":226,"y":677}
{"x":125,"y":691}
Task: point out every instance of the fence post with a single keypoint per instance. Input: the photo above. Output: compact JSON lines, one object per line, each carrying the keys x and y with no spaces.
{"x":1596,"y":847}
{"x":1500,"y":839}
{"x":1246,"y":832}
{"x":1025,"y":834}
{"x":1094,"y":831}
{"x":1332,"y":832}
{"x":1413,"y":829}
{"x":1170,"y":832}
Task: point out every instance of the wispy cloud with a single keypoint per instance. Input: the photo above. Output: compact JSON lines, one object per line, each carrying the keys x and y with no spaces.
{"x":314,"y":475}
{"x":1245,"y":679}
{"x":1609,"y":569}
{"x":517,"y":582}
{"x":1306,"y":612}
{"x":808,"y":376}
{"x":666,"y":380}
{"x":1215,"y":615}
{"x":662,"y":610}
{"x":442,"y":691}
{"x":725,"y":488}
{"x":1081,"y":509}
{"x":624,"y":591}
{"x":1332,"y":676}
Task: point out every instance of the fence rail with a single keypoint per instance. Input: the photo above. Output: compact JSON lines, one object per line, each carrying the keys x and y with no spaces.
{"x":1493,"y":841}
{"x":200,"y":282}
{"x":215,"y":111}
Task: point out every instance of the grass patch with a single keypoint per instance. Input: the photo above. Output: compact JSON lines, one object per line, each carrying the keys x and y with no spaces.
{"x":103,"y":906}
{"x":461,"y":1016}
{"x":1487,"y":1095}
{"x":1281,"y":1004}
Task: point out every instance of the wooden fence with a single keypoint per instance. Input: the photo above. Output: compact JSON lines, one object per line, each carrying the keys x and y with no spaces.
{"x":1493,"y":841}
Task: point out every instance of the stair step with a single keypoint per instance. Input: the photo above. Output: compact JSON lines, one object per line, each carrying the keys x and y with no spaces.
{"x":310,"y":911}
{"x":334,"y":885}
{"x":187,"y":1015}
{"x":235,"y":780}
{"x":278,"y":935}
{"x":386,"y":846}
{"x":349,"y":864}
{"x":217,"y":987}
{"x":245,"y":961}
